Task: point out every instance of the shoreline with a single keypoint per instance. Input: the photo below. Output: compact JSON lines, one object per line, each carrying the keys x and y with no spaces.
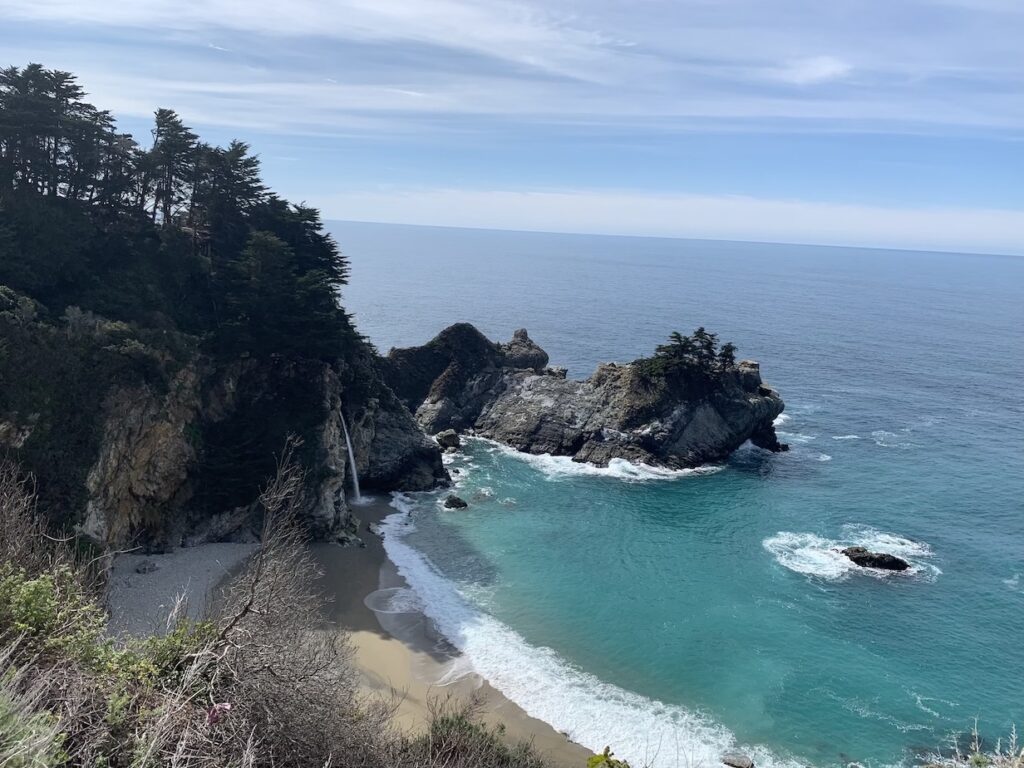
{"x":401,"y":655}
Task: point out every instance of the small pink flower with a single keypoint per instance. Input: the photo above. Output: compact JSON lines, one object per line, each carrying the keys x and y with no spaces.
{"x":217,"y":712}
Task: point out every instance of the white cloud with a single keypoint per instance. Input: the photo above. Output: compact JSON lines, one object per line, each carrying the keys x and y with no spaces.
{"x":810,"y":71}
{"x":696,"y":216}
{"x":923,"y":64}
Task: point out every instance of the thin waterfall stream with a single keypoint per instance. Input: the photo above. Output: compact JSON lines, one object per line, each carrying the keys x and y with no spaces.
{"x":351,"y":460}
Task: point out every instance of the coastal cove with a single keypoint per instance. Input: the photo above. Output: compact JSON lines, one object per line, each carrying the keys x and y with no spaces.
{"x":711,"y":605}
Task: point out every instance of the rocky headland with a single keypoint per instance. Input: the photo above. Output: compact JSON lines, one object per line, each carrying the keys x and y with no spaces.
{"x":662,"y":415}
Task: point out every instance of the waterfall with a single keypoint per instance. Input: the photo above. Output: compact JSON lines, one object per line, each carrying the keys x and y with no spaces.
{"x":351,"y":460}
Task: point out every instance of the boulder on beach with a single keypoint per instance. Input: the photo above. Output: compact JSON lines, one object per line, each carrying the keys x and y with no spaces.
{"x":737,"y":760}
{"x":865,"y":558}
{"x":449,"y":438}
{"x":454,"y":502}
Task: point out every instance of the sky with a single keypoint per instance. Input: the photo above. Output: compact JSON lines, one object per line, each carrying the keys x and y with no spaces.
{"x":892,"y":123}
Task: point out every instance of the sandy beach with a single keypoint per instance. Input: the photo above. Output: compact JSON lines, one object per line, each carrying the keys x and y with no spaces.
{"x":398,"y":652}
{"x":401,"y":653}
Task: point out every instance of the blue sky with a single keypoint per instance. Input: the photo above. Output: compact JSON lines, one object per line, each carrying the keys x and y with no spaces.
{"x":896,"y":123}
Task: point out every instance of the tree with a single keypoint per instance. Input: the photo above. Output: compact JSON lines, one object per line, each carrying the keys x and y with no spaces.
{"x":727,"y":356}
{"x":171,"y":161}
{"x":272,"y":306}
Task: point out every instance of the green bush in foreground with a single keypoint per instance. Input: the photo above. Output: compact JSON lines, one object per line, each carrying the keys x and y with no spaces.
{"x":28,"y":738}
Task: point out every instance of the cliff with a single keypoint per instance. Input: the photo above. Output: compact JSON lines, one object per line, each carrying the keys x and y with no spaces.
{"x":138,"y":438}
{"x":677,"y":418}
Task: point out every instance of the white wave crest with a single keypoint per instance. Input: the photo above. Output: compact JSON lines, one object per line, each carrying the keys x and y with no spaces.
{"x":813,"y":555}
{"x":561,"y":467}
{"x":394,"y":600}
{"x":846,"y":437}
{"x":781,"y":419}
{"x":795,"y":437}
{"x":887,"y":439}
{"x":592,"y":712}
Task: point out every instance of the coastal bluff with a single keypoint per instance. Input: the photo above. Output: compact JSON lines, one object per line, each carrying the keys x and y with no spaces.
{"x":675,"y":418}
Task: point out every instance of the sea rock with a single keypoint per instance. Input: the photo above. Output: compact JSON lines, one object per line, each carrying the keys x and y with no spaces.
{"x":868,"y":559}
{"x":460,"y":380}
{"x":737,"y":760}
{"x":449,"y":438}
{"x":454,"y":502}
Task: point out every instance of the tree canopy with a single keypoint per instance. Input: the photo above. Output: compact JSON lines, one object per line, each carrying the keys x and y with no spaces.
{"x":178,"y":234}
{"x":697,"y":356}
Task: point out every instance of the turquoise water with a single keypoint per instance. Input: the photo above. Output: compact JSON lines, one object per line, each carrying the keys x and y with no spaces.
{"x":672,"y":616}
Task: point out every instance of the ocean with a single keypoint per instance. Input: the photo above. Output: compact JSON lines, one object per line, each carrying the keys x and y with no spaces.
{"x":673,"y":615}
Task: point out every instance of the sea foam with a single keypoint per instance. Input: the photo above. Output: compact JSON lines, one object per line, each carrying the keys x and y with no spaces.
{"x":592,"y":712}
{"x":556,"y":468}
{"x":813,"y":555}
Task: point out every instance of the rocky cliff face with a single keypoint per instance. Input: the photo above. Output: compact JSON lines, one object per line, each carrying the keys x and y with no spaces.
{"x":186,"y":466}
{"x":461,"y":380}
{"x":165,"y":452}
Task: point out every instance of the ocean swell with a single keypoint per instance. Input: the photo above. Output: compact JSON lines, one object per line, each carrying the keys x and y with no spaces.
{"x":592,"y":712}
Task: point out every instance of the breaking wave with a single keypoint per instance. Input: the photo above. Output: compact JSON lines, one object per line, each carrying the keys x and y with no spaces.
{"x":813,"y":555}
{"x":562,"y":467}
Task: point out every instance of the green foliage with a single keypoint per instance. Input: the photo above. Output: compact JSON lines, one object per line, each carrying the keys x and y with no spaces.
{"x":606,"y":760}
{"x":697,"y":358}
{"x":456,"y":739}
{"x":51,"y":615}
{"x":28,"y":738}
{"x":181,"y":236}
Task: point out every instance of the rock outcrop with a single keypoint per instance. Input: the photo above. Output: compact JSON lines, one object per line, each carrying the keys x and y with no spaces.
{"x":186,"y":467}
{"x":461,"y":380}
{"x":449,"y":439}
{"x":865,"y":558}
{"x":160,"y":446}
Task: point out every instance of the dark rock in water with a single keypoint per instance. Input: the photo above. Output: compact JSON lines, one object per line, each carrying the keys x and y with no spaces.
{"x":767,"y":439}
{"x":449,"y":438}
{"x":454,"y":502}
{"x":146,"y":566}
{"x":868,"y":559}
{"x":737,"y":760}
{"x":676,"y":418}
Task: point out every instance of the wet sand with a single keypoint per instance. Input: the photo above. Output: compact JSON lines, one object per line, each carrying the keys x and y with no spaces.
{"x":401,"y":654}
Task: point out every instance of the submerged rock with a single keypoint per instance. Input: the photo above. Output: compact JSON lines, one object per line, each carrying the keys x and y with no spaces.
{"x":449,"y":438}
{"x":454,"y":502}
{"x":737,"y":760}
{"x":868,"y":559}
{"x":680,"y":418}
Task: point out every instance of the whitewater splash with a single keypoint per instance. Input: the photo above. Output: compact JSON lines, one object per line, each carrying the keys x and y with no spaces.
{"x":351,"y":460}
{"x":556,"y":468}
{"x":590,"y":711}
{"x":813,"y":555}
